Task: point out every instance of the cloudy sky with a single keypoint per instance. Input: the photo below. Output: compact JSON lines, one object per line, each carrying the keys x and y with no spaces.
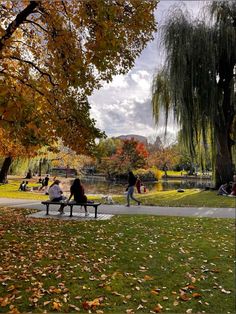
{"x":124,"y":105}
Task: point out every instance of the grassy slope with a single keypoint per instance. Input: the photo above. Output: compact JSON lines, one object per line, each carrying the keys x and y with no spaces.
{"x":118,"y":265}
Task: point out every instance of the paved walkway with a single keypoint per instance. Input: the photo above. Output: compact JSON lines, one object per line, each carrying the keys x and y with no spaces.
{"x":121,"y":210}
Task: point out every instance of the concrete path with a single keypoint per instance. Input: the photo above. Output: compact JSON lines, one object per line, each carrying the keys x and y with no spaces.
{"x":133,"y":209}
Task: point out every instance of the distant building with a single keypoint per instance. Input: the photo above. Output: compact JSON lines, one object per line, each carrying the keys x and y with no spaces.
{"x":138,"y":138}
{"x":63,"y":172}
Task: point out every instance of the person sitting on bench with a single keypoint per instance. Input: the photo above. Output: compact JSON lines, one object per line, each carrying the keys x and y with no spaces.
{"x":77,"y":190}
{"x":55,"y":195}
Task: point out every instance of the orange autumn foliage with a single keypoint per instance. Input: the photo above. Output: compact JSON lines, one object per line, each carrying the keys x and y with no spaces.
{"x":53,"y":54}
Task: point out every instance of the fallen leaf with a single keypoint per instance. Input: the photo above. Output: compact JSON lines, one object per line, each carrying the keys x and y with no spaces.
{"x":146,"y":277}
{"x":46,"y":303}
{"x":184,"y":297}
{"x":56,"y":306}
{"x":74,"y":307}
{"x":225,"y":291}
{"x":158,"y":308}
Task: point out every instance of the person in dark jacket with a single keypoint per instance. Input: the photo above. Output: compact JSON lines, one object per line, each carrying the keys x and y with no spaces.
{"x":22,"y":186}
{"x":131,"y":185}
{"x":77,"y":191}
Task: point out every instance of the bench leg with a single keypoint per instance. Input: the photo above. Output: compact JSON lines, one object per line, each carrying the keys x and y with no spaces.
{"x":47,"y":209}
{"x":96,"y":211}
{"x":71,"y":209}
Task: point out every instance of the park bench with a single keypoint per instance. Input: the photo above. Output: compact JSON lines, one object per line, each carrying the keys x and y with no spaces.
{"x":71,"y":205}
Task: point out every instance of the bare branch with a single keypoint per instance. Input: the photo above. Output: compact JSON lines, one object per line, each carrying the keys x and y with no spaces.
{"x":20,"y":18}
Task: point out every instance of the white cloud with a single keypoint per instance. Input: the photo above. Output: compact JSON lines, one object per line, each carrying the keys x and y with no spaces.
{"x":124,"y":105}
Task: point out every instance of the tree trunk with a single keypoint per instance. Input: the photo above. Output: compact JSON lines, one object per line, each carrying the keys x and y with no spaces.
{"x":5,"y":168}
{"x":223,"y":164}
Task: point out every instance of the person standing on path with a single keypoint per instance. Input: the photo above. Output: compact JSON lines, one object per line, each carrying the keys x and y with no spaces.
{"x":131,"y":185}
{"x":46,"y":181}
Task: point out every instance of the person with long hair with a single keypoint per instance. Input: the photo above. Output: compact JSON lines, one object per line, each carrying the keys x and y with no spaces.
{"x":77,"y":191}
{"x":131,"y":185}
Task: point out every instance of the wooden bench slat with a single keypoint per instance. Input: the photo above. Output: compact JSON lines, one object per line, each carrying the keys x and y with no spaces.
{"x":47,"y":203}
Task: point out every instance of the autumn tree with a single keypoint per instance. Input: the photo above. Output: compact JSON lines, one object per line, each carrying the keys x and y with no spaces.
{"x":106,"y":148}
{"x":164,"y":158}
{"x":58,"y":52}
{"x":198,"y":82}
{"x":129,"y":155}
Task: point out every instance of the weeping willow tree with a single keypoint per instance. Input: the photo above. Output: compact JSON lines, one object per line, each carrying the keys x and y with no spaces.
{"x":197,"y":82}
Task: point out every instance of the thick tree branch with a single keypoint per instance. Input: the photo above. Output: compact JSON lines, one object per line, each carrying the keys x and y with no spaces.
{"x":35,"y":67}
{"x":20,"y":18}
{"x":36,"y":24}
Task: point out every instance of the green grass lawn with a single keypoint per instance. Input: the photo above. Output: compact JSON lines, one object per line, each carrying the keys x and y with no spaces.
{"x":191,"y":197}
{"x":129,"y":264}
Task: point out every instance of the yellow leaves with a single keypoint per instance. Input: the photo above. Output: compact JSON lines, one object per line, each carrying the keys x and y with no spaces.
{"x":155,"y":291}
{"x":11,"y":288}
{"x":53,"y":289}
{"x":56,"y":306}
{"x":146,"y":278}
{"x":4,"y":301}
{"x":92,"y":304}
{"x":13,"y":310}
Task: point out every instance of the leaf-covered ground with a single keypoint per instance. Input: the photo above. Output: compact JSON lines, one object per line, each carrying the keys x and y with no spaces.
{"x":130,"y":264}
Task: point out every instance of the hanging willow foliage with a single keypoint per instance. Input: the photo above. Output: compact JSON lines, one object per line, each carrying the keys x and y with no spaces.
{"x":197,"y":82}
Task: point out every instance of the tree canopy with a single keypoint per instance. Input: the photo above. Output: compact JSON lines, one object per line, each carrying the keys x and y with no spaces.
{"x":60,"y":51}
{"x":197,"y":82}
{"x":53,"y":54}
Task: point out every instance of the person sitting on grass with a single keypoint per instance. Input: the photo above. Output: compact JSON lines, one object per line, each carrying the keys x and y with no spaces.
{"x":55,"y":195}
{"x":77,"y":191}
{"x":233,"y":191}
{"x":224,"y":189}
{"x":26,"y":188}
{"x":22,"y":186}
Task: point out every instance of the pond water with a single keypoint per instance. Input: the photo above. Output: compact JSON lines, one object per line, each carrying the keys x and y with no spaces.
{"x":95,"y":186}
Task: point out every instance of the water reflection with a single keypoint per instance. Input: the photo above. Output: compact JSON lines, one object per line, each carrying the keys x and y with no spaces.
{"x":94,"y":186}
